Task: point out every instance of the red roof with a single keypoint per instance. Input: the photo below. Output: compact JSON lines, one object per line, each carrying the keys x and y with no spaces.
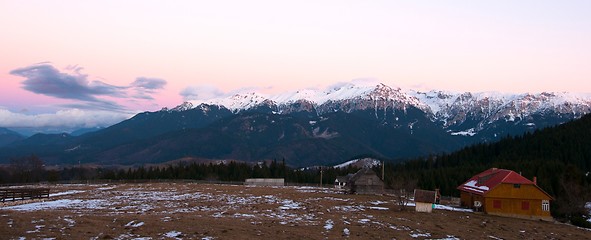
{"x":485,"y":181}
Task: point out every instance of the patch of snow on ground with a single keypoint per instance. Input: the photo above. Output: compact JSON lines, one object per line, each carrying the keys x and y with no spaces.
{"x":316,"y":190}
{"x":65,"y":193}
{"x":449,"y":237}
{"x":349,"y":208}
{"x":134,"y":224}
{"x":329,"y":224}
{"x":337,"y":199}
{"x":588,"y":206}
{"x":173,"y":234}
{"x":289,"y":205}
{"x":346,"y":232}
{"x":106,"y":188}
{"x":37,"y":229}
{"x":71,"y":222}
{"x":379,"y":208}
{"x":63,"y":203}
{"x":444,"y":207}
{"x":364,"y":221}
{"x":416,"y":235}
{"x":238,"y":215}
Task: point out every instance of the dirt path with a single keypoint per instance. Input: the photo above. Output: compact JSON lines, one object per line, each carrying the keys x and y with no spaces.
{"x":203,"y":211}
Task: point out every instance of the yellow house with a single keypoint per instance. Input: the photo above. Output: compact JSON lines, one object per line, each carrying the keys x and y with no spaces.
{"x":505,"y":193}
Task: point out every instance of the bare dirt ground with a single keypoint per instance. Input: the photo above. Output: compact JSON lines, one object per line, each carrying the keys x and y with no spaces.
{"x":206,"y":211}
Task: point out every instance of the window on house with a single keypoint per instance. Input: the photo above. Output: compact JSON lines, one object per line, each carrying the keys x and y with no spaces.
{"x":525,"y":205}
{"x":496,"y":203}
{"x":545,"y":205}
{"x":517,"y":185}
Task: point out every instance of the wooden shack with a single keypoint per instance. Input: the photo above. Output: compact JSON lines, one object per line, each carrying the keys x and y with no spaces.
{"x":505,"y":193}
{"x":340,"y":182}
{"x":424,"y":200}
{"x":364,"y":181}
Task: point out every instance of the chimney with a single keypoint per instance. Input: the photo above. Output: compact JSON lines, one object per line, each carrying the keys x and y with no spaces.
{"x":536,"y":180}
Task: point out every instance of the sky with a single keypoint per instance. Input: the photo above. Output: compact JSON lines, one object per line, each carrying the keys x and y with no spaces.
{"x":76,"y":64}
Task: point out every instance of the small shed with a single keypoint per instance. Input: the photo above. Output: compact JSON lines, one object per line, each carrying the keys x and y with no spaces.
{"x":341,"y":181}
{"x":424,"y":200}
{"x":264,"y":182}
{"x":364,"y":181}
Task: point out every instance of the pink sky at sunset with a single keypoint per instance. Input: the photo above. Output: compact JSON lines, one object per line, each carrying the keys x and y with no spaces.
{"x":135,"y":56}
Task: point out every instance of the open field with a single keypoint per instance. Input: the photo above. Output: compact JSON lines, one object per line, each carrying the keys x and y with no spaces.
{"x":207,"y":211}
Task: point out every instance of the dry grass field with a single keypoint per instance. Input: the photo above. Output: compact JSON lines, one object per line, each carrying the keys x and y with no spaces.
{"x":207,"y":211}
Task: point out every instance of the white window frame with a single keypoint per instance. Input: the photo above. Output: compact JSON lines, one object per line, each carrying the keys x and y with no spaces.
{"x":546,"y":205}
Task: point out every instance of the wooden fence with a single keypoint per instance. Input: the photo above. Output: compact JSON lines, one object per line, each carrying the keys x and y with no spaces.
{"x":14,"y":194}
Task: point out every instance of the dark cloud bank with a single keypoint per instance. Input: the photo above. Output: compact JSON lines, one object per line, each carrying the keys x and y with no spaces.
{"x":46,"y":80}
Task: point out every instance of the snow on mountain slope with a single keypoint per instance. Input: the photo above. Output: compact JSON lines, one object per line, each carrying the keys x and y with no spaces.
{"x":375,"y":93}
{"x":456,"y":108}
{"x":360,"y":163}
{"x":449,"y":108}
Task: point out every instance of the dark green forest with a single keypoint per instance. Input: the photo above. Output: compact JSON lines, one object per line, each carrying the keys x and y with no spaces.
{"x":560,"y":158}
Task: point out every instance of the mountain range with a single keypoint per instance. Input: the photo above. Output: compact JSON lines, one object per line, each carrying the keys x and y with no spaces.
{"x":309,"y":127}
{"x":8,"y":136}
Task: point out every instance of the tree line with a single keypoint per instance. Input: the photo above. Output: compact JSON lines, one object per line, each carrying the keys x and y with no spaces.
{"x":31,"y":169}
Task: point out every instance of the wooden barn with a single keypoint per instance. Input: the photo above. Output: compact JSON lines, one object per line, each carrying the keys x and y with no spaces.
{"x":505,"y":193}
{"x":424,"y":200}
{"x":364,"y":181}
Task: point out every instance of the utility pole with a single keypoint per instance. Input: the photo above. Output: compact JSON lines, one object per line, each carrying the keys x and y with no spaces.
{"x":383,"y":176}
{"x":320,"y":176}
{"x":383,"y":163}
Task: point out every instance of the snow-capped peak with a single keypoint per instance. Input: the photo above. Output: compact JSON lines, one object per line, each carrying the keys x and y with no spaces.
{"x":347,"y":91}
{"x":183,"y":107}
{"x":235,"y":102}
{"x":452,"y":109}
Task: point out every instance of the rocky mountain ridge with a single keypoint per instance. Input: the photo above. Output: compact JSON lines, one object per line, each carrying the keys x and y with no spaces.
{"x":460,"y":113}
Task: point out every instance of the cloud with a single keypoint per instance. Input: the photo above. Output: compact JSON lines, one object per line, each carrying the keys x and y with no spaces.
{"x":45,"y":79}
{"x":144,"y":87}
{"x":203,"y":92}
{"x":149,"y":83}
{"x":99,"y":106}
{"x":71,"y":118}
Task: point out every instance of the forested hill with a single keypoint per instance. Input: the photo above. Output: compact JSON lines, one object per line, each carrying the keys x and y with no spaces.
{"x":560,"y":158}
